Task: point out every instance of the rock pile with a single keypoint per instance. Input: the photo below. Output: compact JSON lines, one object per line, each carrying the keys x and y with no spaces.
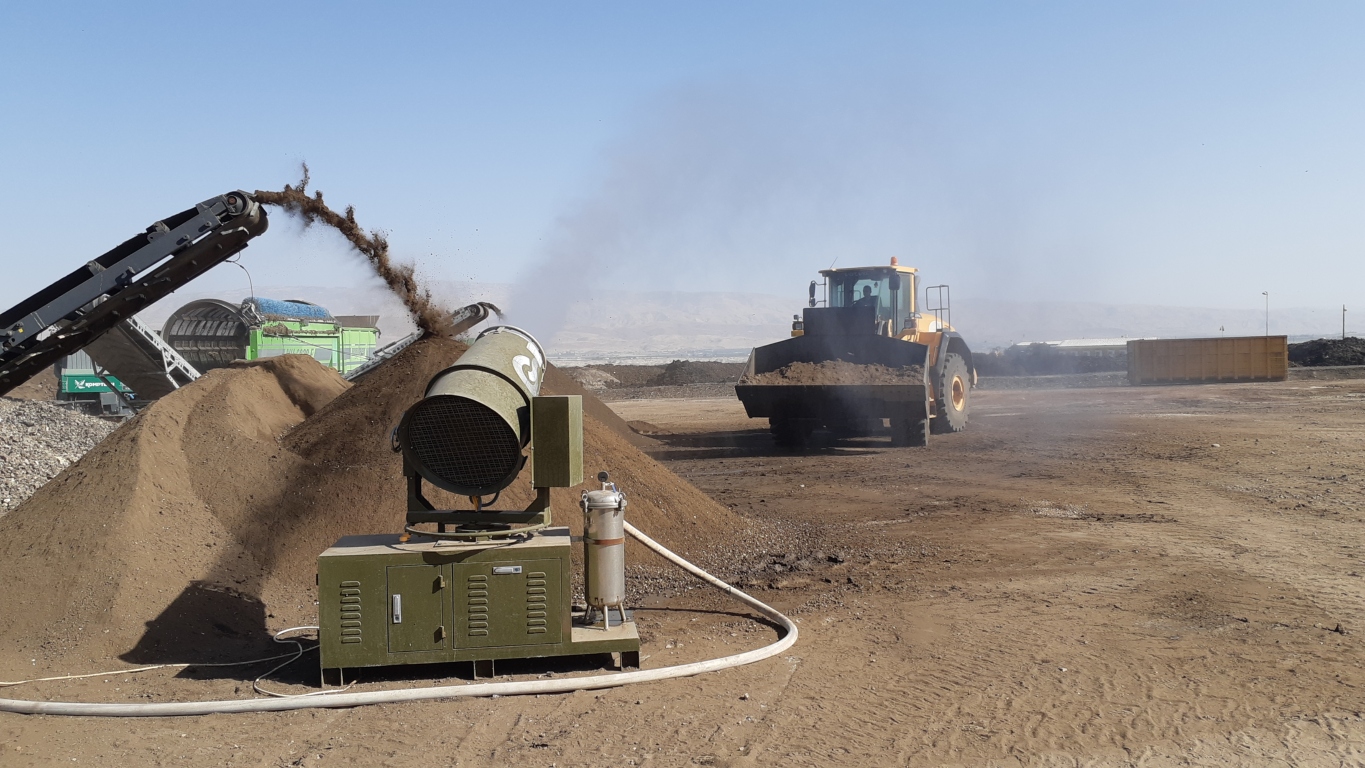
{"x":1348,"y":351}
{"x":37,"y":441}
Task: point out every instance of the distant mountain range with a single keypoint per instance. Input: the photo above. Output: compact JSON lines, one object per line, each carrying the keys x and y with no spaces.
{"x":654,"y":326}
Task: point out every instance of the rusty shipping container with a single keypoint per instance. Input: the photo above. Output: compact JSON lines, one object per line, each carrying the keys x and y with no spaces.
{"x":1194,"y":361}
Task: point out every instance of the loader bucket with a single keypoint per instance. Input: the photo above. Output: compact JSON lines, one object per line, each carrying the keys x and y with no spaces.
{"x":831,"y":405}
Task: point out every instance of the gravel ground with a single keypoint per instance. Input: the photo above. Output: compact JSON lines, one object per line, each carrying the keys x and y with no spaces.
{"x":37,"y":441}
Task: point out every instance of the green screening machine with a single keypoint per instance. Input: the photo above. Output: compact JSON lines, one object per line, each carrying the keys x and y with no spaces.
{"x":211,"y":333}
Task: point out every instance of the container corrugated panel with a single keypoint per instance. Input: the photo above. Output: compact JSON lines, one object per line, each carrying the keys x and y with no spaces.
{"x":1191,"y":361}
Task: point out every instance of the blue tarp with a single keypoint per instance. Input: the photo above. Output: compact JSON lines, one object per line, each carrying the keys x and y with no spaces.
{"x":275,"y":309}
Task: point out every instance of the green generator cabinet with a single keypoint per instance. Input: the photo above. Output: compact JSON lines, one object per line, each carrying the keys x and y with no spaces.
{"x":382,"y":601}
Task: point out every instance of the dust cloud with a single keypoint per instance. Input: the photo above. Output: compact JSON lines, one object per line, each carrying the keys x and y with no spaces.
{"x":698,"y":176}
{"x":373,"y":245}
{"x":741,"y":190}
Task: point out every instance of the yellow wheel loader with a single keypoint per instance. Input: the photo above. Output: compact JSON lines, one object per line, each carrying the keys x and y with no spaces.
{"x":868,"y":316}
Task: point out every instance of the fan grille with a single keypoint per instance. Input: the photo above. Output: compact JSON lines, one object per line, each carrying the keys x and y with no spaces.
{"x":463,"y":443}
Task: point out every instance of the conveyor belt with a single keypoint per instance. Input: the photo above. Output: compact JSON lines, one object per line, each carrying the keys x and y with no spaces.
{"x":85,"y":304}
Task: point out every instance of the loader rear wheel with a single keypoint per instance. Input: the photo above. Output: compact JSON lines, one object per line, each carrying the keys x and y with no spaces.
{"x":952,"y":395}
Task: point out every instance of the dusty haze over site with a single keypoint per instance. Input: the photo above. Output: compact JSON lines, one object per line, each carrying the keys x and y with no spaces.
{"x":862,"y":540}
{"x":1162,"y":156}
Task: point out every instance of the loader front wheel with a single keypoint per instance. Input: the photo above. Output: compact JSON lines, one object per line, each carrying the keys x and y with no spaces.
{"x":908,"y":432}
{"x":952,"y":395}
{"x":791,"y":433}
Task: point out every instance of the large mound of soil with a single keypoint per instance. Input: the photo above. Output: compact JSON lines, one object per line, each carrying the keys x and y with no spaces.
{"x":41,"y":387}
{"x":838,"y":372}
{"x":196,"y":526}
{"x":676,"y":373}
{"x":681,"y":372}
{"x":1347,"y":351}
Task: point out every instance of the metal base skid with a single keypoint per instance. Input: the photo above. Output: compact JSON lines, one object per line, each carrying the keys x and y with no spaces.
{"x":382,"y":601}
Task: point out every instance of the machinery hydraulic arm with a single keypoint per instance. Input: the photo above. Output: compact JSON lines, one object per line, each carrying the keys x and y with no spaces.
{"x":78,"y":308}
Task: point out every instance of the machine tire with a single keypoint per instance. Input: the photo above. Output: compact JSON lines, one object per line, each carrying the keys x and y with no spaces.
{"x":908,"y":433}
{"x":791,"y":433}
{"x":954,"y":394}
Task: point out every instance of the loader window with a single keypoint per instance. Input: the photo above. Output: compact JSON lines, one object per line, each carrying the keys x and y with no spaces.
{"x":861,"y":289}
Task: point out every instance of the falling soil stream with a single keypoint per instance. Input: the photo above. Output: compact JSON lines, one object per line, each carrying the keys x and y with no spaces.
{"x":374,"y":245}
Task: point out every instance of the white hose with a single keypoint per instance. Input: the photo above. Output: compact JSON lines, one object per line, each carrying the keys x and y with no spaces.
{"x":339,"y":700}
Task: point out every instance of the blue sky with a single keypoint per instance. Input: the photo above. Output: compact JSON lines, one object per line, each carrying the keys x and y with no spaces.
{"x":1155,"y":153}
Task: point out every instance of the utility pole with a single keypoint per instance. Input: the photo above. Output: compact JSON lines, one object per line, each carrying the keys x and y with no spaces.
{"x":1266,"y":294}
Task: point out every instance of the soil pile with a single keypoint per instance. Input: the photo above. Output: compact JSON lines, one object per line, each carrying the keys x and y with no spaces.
{"x":41,"y":387}
{"x":630,"y":375}
{"x":591,"y":378}
{"x":1042,"y":360}
{"x":838,"y":372}
{"x":151,"y":541}
{"x":676,"y":373}
{"x":681,"y":372}
{"x":350,"y":440}
{"x":374,"y":246}
{"x":195,"y":527}
{"x":1347,"y":351}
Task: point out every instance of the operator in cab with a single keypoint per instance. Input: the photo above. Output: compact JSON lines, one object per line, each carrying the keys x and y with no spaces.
{"x":867,"y":300}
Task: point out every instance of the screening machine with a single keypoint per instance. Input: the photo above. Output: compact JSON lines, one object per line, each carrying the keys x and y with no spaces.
{"x":482,"y":584}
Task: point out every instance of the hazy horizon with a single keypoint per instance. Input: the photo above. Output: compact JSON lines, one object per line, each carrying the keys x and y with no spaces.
{"x":1166,"y":154}
{"x":663,"y":325}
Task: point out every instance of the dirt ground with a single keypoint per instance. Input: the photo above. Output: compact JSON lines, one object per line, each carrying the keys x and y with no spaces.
{"x":1127,"y":576}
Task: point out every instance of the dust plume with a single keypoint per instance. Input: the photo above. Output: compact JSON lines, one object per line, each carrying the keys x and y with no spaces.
{"x":373,"y":245}
{"x":726,"y":189}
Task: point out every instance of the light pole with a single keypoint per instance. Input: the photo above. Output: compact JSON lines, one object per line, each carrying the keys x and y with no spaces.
{"x":1266,"y":294}
{"x":1343,"y":322}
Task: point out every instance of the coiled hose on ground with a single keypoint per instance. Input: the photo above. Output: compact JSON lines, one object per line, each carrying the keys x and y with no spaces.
{"x":339,"y":700}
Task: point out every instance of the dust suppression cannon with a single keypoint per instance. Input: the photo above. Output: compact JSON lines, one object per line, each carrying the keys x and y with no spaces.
{"x":481,"y":582}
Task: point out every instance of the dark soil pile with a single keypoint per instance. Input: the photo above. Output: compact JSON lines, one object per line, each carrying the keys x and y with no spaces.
{"x":40,"y":387}
{"x":1042,"y":360}
{"x":676,"y":373}
{"x":693,"y":372}
{"x":838,"y":372}
{"x":1347,"y":351}
{"x":631,"y":375}
{"x":196,"y":526}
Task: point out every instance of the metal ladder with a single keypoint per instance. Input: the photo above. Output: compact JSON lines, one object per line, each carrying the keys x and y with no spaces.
{"x":941,"y":307}
{"x":141,"y":359}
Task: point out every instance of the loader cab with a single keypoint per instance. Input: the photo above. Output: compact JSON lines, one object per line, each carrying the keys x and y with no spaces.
{"x":889,"y":290}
